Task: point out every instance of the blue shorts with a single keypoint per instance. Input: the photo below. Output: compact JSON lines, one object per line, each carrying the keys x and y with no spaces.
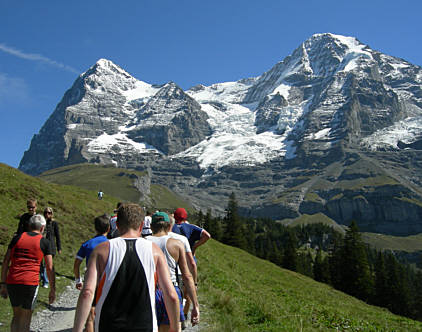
{"x":162,"y":317}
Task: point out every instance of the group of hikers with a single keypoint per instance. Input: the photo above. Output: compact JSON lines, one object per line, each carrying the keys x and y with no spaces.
{"x":141,"y":271}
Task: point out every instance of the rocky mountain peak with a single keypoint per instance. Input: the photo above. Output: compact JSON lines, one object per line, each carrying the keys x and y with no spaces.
{"x":332,"y":97}
{"x":105,"y":76}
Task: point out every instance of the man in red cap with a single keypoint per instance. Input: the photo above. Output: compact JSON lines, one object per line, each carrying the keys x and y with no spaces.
{"x":197,"y":236}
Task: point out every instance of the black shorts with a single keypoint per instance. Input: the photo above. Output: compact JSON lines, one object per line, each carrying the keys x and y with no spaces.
{"x":22,"y":295}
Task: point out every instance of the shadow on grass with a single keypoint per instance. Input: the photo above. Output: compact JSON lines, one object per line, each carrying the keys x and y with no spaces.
{"x":50,"y":307}
{"x":71,"y":277}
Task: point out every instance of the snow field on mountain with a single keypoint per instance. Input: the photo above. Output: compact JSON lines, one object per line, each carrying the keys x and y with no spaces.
{"x":407,"y":131}
{"x":234,"y":139}
{"x":105,"y":143}
{"x":141,"y":90}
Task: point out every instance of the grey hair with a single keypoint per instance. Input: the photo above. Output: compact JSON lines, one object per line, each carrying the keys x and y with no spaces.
{"x":36,"y":222}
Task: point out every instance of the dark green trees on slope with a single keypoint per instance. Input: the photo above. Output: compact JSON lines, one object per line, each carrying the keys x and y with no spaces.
{"x":353,"y":274}
{"x":318,"y":251}
{"x":234,"y":234}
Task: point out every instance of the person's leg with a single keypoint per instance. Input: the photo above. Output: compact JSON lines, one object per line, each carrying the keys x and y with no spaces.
{"x":26,"y":319}
{"x":21,"y":321}
{"x":46,"y":282}
{"x":163,"y":328}
{"x":14,"y":324}
{"x":89,"y":325}
{"x":43,"y":275}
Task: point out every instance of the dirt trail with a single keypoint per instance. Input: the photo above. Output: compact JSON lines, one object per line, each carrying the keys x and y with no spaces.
{"x":59,"y":317}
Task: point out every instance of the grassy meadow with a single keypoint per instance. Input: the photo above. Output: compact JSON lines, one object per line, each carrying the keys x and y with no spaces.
{"x":117,"y":182}
{"x":240,"y":292}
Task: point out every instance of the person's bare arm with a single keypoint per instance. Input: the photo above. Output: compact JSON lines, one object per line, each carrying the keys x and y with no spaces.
{"x":189,"y":285}
{"x":76,"y":266}
{"x":205,"y":236}
{"x":4,"y":271}
{"x":95,"y":268}
{"x":51,"y":277}
{"x":192,"y":266}
{"x":171,"y":300}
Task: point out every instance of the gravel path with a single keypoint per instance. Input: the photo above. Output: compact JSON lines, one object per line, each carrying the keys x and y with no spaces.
{"x":59,"y":317}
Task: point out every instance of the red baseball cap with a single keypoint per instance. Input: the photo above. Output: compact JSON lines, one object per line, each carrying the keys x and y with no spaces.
{"x":180,"y":215}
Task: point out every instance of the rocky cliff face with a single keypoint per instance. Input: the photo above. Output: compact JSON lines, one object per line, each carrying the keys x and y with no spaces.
{"x":289,"y":142}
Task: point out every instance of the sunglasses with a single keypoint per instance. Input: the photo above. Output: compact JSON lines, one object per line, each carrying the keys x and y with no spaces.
{"x":31,"y":207}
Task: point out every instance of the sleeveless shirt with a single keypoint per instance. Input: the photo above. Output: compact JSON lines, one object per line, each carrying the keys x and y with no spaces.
{"x":126,"y":291}
{"x":161,"y":241}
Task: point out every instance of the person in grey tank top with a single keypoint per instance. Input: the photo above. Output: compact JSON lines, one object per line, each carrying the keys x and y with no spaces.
{"x":174,"y":251}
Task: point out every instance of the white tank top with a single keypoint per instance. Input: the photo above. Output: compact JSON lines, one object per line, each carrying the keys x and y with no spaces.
{"x":161,"y":241}
{"x":127,"y":287}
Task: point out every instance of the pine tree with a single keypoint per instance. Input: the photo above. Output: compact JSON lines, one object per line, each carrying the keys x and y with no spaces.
{"x":398,"y":295}
{"x":250,"y":236}
{"x":335,"y":262}
{"x":417,"y":298}
{"x":211,"y":225}
{"x":380,"y":289}
{"x":290,"y":254}
{"x":234,"y":235}
{"x":304,"y":264}
{"x":321,"y":268}
{"x":201,"y":219}
{"x":355,"y":277}
{"x":259,"y":247}
{"x":326,"y":276}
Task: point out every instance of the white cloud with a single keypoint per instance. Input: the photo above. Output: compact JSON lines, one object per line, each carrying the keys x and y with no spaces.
{"x":36,"y":57}
{"x":12,"y":89}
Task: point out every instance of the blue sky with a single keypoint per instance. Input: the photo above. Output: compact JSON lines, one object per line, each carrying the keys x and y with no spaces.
{"x":45,"y":45}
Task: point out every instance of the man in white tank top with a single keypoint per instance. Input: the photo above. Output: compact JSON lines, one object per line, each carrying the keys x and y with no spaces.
{"x":122,"y":304}
{"x":146,"y":230}
{"x":189,"y":256}
{"x":174,"y":251}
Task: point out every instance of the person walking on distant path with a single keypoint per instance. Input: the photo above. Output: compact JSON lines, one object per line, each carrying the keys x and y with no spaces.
{"x":100,"y":194}
{"x":52,"y":234}
{"x":114,"y":265}
{"x":196,"y":236}
{"x":31,"y":205}
{"x":146,"y":230}
{"x":102,"y":227}
{"x":174,"y":252}
{"x":113,"y":231}
{"x":20,"y":272}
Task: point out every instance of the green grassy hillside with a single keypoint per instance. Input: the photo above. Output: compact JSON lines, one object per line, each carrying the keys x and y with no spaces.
{"x":74,"y":208}
{"x":318,"y":218}
{"x":117,"y":182}
{"x":410,"y":243}
{"x":243,"y":293}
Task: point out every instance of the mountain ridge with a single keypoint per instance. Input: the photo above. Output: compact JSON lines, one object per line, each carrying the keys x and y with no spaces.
{"x":333,"y":100}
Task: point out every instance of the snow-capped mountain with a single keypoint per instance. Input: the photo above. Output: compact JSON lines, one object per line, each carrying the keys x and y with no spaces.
{"x":332,"y":95}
